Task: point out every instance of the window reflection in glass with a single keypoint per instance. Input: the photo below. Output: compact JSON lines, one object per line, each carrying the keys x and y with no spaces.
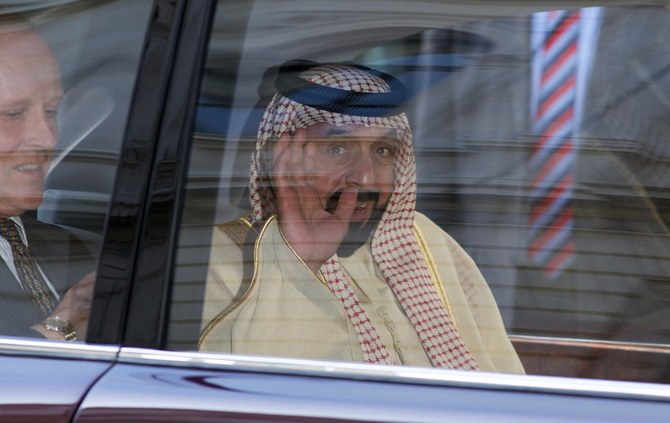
{"x":557,"y":192}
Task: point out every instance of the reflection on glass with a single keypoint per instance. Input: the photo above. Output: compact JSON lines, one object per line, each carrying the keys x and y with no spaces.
{"x":539,"y":141}
{"x":64,"y":93}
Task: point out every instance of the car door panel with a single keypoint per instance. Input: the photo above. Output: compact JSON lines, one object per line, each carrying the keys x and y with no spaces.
{"x":45,"y":382}
{"x":150,"y":386}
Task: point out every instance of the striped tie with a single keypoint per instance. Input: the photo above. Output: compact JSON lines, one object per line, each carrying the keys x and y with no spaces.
{"x":553,"y":157}
{"x":30,"y":277}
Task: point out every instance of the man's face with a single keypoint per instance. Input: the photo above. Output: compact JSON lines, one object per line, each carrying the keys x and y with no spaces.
{"x":352,"y":156}
{"x":30,"y":92}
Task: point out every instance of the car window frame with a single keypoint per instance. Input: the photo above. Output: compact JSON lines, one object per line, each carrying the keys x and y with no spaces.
{"x":144,"y":222}
{"x":134,"y":276}
{"x":100,"y":344}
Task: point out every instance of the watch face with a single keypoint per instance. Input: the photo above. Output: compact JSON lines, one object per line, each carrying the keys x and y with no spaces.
{"x":57,"y":323}
{"x":62,"y":326}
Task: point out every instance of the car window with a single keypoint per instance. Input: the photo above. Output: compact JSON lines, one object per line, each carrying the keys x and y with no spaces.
{"x":66,"y":77}
{"x":539,"y":137}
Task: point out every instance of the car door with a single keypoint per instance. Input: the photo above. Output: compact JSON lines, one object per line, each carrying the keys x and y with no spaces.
{"x":204,"y":75}
{"x":97,"y":48}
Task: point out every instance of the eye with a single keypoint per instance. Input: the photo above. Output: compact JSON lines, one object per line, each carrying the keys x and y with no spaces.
{"x":51,"y":113}
{"x":336,"y":149}
{"x":13,"y":114}
{"x":385,"y":150}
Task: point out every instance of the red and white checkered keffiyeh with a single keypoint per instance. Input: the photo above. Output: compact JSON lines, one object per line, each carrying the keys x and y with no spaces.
{"x":394,"y":245}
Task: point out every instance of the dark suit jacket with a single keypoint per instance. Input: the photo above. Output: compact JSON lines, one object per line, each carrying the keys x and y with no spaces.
{"x":62,"y":257}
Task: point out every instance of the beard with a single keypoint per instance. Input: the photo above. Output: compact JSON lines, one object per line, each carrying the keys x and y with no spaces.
{"x":358,"y":232}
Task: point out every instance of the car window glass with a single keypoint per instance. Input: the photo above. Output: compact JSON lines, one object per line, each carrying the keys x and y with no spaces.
{"x":539,"y":142}
{"x":66,"y":80}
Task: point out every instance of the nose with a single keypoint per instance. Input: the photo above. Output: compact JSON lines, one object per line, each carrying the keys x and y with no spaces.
{"x":41,"y":131}
{"x":361,"y":171}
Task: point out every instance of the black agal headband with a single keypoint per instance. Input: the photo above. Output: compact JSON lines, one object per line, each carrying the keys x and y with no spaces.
{"x":292,"y":86}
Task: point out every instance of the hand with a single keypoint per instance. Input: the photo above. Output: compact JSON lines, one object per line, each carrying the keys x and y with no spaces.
{"x":314,"y":233}
{"x":75,"y":307}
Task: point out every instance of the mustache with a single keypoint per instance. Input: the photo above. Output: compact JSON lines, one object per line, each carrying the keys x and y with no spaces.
{"x":334,"y":199}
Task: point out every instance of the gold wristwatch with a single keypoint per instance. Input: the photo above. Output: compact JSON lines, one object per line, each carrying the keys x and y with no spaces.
{"x":62,"y":326}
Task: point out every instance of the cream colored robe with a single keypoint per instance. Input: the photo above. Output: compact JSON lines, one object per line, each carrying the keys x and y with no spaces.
{"x":287,"y":311}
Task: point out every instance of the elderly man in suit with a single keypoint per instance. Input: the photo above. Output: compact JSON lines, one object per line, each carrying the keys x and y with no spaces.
{"x":40,"y":295}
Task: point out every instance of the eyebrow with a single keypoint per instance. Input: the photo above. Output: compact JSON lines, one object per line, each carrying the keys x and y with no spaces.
{"x":13,"y":104}
{"x":335,"y":131}
{"x":18,"y":103}
{"x":55,"y":99}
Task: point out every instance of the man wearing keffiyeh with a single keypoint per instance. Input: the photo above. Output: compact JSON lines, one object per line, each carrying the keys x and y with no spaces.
{"x":333,"y":261}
